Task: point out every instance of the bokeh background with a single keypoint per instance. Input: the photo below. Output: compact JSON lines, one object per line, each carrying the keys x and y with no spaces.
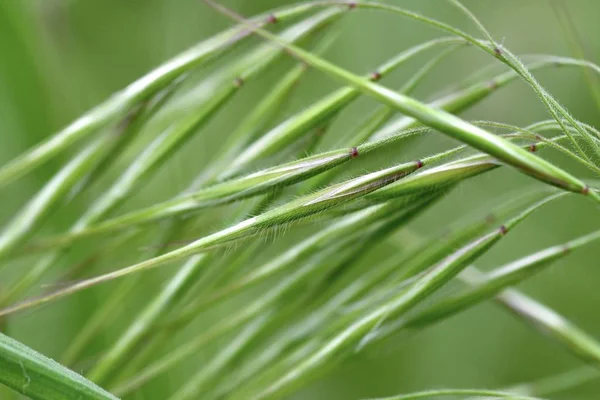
{"x":58,"y":58}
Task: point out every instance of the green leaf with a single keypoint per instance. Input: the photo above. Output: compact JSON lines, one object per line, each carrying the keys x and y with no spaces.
{"x":38,"y":377}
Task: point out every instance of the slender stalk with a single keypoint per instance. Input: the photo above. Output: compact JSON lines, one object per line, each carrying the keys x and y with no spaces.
{"x":119,"y":104}
{"x":435,"y":118}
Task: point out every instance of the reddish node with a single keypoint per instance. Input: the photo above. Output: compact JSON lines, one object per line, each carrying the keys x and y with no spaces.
{"x":375,"y":76}
{"x":419,"y":164}
{"x":492,"y":84}
{"x":497,"y":51}
{"x":586,"y":190}
{"x":353,"y":152}
{"x":352,"y":5}
{"x":238,"y":82}
{"x":503,"y":230}
{"x":532,"y":148}
{"x":272,"y":19}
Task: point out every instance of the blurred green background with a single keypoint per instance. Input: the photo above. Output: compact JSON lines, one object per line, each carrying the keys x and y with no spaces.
{"x":58,"y":58}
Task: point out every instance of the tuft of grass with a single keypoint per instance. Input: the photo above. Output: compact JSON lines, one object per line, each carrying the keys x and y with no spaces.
{"x":267,"y":312}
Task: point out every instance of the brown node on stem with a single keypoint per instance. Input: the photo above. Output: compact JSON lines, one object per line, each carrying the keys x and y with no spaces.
{"x":271,"y":19}
{"x":503,"y":230}
{"x":532,"y":148}
{"x":351,"y":5}
{"x":586,"y":190}
{"x":353,"y":152}
{"x":238,"y":82}
{"x":497,"y":51}
{"x":419,"y":164}
{"x":375,"y":76}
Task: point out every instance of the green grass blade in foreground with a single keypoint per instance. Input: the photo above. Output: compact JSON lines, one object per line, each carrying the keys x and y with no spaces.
{"x":118,"y":104}
{"x":163,"y":146}
{"x":38,"y":377}
{"x":353,"y":333}
{"x":440,"y":120}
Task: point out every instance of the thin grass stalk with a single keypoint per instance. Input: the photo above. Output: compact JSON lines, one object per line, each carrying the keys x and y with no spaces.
{"x":379,"y":117}
{"x":242,"y":316}
{"x":171,"y":139}
{"x":556,"y":110}
{"x":176,"y":288}
{"x":486,"y":286}
{"x":291,"y":129}
{"x":119,"y":104}
{"x":438,"y":119}
{"x":463,"y":98}
{"x":222,"y":193}
{"x":251,"y":311}
{"x":282,"y":380}
{"x":296,"y":254}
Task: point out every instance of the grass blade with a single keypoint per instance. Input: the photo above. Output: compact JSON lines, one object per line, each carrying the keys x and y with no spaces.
{"x":38,"y":377}
{"x":491,"y":283}
{"x":438,"y":119}
{"x":357,"y":331}
{"x":118,"y":105}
